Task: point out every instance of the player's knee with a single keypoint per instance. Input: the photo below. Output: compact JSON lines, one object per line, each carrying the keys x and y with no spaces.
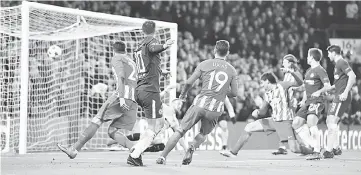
{"x":298,"y":122}
{"x":181,"y":131}
{"x":249,"y":128}
{"x":223,"y":125}
{"x":112,"y":131}
{"x":312,"y":120}
{"x":96,"y":120}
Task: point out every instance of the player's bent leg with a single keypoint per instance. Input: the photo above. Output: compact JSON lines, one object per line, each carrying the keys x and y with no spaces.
{"x":302,"y":130}
{"x":285,"y":133}
{"x":119,"y":136}
{"x":312,"y":121}
{"x":172,"y":141}
{"x":255,"y":126}
{"x":85,"y":136}
{"x":298,"y":148}
{"x":191,"y":117}
{"x":224,"y":133}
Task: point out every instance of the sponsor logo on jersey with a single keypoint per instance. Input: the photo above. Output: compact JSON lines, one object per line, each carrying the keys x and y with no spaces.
{"x":312,"y":82}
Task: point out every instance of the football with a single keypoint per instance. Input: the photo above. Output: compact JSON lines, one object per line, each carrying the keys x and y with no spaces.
{"x":54,"y":51}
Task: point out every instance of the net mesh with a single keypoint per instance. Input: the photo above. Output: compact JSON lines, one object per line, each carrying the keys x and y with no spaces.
{"x":66,"y":92}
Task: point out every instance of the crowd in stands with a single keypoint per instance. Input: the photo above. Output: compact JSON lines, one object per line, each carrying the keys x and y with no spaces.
{"x":260,"y":34}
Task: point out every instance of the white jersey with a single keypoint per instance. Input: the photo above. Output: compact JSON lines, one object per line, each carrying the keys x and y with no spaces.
{"x":277,"y":99}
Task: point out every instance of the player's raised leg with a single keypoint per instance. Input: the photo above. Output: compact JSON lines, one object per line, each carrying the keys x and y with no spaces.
{"x":260,"y":125}
{"x":192,"y":116}
{"x":153,"y":111}
{"x":312,"y":121}
{"x":126,"y":122}
{"x":90,"y":131}
{"x":208,"y":122}
{"x":300,"y":126}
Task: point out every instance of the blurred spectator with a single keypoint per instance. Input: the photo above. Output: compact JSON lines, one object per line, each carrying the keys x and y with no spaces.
{"x":351,"y":10}
{"x":260,"y":33}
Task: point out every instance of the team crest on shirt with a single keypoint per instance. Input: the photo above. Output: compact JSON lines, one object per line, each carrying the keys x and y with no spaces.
{"x":337,"y":76}
{"x":312,"y":75}
{"x":161,"y":111}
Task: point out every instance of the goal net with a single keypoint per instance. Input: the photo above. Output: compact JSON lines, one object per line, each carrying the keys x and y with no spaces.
{"x":62,"y":94}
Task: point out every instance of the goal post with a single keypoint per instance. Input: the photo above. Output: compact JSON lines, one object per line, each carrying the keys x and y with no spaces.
{"x":44,"y":101}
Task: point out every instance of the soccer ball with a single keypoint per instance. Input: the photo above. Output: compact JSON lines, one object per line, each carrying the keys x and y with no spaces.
{"x":54,"y":51}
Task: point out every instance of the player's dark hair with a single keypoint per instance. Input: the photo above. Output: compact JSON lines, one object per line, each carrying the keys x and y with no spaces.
{"x":334,"y":48}
{"x":119,"y":47}
{"x":270,"y":77}
{"x":315,"y":53}
{"x":222,"y":47}
{"x":148,"y":27}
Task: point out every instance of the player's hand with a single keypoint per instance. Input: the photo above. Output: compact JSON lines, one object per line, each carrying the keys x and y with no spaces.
{"x":168,"y":43}
{"x":292,"y":88}
{"x":316,"y":94}
{"x":123,"y":105}
{"x":343,"y":96}
{"x":166,"y":74}
{"x":255,"y":113}
{"x":285,"y":70}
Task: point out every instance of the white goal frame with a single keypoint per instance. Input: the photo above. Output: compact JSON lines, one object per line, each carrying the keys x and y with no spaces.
{"x":24,"y":61}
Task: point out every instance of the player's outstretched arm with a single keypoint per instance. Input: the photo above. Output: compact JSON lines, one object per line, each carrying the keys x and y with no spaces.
{"x":189,"y":83}
{"x":351,"y":77}
{"x":296,"y":75}
{"x":156,"y":48}
{"x":234,"y":88}
{"x":230,"y":109}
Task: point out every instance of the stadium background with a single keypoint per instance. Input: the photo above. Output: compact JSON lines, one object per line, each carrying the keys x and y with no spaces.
{"x":260,"y":33}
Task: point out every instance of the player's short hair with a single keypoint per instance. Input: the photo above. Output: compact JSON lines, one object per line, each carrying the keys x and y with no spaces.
{"x":148,"y":27}
{"x":119,"y":47}
{"x":334,"y":48}
{"x":291,"y":58}
{"x":222,"y":47}
{"x":315,"y":53}
{"x":270,"y":77}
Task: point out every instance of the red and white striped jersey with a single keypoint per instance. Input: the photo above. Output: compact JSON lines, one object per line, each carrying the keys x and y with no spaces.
{"x":277,"y":98}
{"x":124,"y":67}
{"x":216,"y":77}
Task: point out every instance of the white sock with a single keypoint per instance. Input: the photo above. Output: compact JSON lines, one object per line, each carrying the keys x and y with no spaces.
{"x":332,"y":136}
{"x":336,"y":142}
{"x":143,"y":143}
{"x":304,"y":133}
{"x":315,"y":139}
{"x":224,"y":137}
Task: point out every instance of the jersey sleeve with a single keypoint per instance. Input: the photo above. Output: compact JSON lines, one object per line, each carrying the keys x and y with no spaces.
{"x":345,"y":67}
{"x":323,"y":75}
{"x":196,"y":74}
{"x":155,"y":47}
